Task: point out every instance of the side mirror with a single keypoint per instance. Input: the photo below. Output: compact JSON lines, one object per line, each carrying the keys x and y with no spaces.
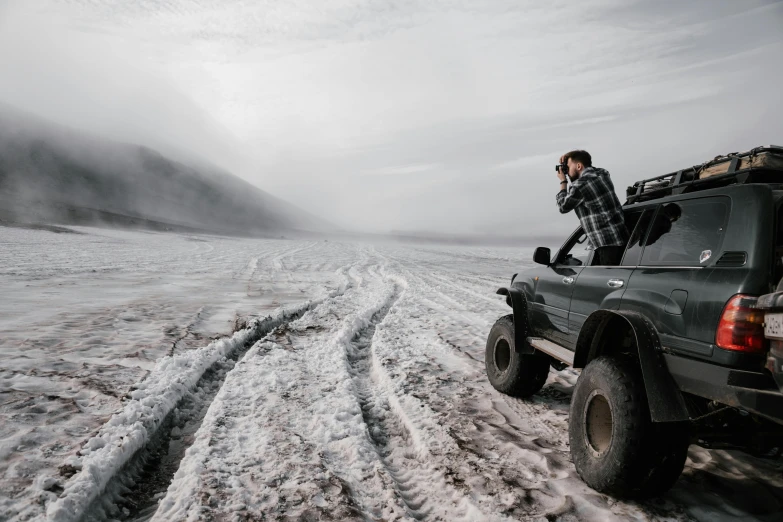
{"x":542,"y":256}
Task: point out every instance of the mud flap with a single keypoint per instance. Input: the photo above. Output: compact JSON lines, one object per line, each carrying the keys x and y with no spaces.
{"x":518,"y":304}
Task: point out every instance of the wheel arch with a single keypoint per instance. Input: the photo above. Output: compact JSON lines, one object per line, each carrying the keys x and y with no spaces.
{"x":516,"y":299}
{"x":609,"y":332}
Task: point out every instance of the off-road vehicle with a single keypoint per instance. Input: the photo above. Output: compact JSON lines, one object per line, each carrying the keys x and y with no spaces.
{"x":671,"y":341}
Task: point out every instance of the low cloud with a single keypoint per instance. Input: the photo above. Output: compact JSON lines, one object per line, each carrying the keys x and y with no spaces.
{"x":108,"y":81}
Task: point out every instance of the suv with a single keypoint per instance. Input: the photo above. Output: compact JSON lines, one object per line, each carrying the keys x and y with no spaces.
{"x":671,"y":341}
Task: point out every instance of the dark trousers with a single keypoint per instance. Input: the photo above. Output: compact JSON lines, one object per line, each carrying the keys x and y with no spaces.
{"x":609,"y":255}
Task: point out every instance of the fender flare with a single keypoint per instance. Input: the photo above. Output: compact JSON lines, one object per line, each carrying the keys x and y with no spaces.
{"x":518,"y":302}
{"x":667,"y":403}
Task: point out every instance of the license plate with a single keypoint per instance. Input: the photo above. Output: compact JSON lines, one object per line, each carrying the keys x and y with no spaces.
{"x":773,"y":326}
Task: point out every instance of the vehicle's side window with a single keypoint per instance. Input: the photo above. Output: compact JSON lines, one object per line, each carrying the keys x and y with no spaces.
{"x":638,"y":231}
{"x":576,"y":252}
{"x":686,"y":233}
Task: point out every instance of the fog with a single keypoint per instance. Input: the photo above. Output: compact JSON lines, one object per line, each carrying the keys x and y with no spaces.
{"x":104,"y":81}
{"x":54,"y":174}
{"x":408,"y":116}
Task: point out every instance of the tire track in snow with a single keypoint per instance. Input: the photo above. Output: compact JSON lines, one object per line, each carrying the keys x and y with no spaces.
{"x":410,"y":477}
{"x":284,"y":472}
{"x":250,"y":268}
{"x":380,"y":429}
{"x":489,"y":297}
{"x":126,"y":453}
{"x":503,"y":459}
{"x":507,"y":449}
{"x":454,"y":312}
{"x":511,"y":409}
{"x":277,"y":262}
{"x":131,"y":494}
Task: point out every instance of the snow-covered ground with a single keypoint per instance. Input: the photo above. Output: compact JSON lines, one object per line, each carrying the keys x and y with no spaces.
{"x":168,"y":377}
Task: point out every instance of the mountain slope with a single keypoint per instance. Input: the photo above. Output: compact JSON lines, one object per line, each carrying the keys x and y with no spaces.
{"x":53,"y":174}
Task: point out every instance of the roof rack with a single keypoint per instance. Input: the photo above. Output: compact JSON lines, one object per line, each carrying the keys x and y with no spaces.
{"x":759,"y":165}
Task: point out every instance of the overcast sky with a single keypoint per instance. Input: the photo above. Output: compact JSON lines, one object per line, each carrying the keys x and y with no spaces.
{"x":438,"y":115}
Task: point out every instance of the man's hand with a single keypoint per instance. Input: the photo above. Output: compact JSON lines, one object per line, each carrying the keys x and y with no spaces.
{"x":561,"y":175}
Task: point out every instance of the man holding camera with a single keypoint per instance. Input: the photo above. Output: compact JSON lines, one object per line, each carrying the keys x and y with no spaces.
{"x":592,"y":196}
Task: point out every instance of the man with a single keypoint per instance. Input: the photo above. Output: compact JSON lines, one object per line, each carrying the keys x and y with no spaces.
{"x":592,"y":196}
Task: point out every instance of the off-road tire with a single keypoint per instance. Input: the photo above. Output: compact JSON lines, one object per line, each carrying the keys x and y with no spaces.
{"x":615,"y":446}
{"x":510,"y":372}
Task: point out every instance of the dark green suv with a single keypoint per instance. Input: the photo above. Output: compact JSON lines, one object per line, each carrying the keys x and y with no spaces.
{"x":671,"y":341}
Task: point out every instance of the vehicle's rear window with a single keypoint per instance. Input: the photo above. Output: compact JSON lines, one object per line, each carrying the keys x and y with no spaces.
{"x":686,"y":233}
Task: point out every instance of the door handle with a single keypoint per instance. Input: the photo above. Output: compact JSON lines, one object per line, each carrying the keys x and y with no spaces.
{"x":568,"y":280}
{"x":615,"y":283}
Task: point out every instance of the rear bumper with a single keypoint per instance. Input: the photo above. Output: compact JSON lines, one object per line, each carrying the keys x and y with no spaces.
{"x":752,"y":391}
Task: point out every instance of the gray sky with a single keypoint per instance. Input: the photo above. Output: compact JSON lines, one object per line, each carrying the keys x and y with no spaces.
{"x":438,"y":115}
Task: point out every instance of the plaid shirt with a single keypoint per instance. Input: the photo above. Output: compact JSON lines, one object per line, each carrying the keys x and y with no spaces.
{"x":600,"y":212}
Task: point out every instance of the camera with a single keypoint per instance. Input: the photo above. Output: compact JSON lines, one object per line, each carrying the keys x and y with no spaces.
{"x":564,"y":166}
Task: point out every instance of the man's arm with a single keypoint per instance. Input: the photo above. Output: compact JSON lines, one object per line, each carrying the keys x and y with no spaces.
{"x":568,"y":200}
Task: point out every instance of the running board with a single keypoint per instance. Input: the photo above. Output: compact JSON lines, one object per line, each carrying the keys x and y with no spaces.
{"x":555,"y":350}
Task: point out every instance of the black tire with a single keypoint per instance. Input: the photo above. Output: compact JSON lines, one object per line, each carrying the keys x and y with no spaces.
{"x":615,"y":446}
{"x":509,"y":371}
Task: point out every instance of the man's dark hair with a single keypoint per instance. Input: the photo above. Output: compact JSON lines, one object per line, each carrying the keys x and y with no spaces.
{"x":580,"y":156}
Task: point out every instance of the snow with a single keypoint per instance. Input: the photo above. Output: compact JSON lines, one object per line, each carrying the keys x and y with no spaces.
{"x":152,"y":400}
{"x":168,"y":377}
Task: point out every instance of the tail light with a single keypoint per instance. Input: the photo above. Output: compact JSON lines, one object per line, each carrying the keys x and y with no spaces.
{"x":741,"y":326}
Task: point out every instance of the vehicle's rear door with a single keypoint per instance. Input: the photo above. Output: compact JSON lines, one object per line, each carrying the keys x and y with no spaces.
{"x":676,"y":272}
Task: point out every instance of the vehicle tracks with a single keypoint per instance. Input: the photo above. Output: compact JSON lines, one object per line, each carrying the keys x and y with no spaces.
{"x":169,"y":422}
{"x":132,"y":494}
{"x":407,"y":468}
